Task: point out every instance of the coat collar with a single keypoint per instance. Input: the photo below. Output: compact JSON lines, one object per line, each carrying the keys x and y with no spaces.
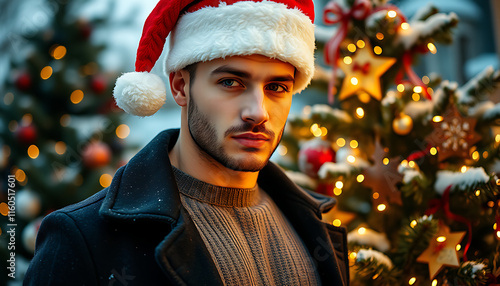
{"x":145,"y":189}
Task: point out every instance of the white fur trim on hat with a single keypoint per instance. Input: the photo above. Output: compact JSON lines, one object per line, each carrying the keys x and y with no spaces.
{"x":140,"y":93}
{"x":245,"y":28}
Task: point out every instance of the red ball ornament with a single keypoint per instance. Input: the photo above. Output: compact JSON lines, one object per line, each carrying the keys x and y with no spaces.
{"x":313,"y":154}
{"x":98,"y":84}
{"x":96,"y":154}
{"x":23,"y":82}
{"x":26,"y":134}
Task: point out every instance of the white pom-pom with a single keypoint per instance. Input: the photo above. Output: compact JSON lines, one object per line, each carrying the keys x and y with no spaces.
{"x":140,"y":93}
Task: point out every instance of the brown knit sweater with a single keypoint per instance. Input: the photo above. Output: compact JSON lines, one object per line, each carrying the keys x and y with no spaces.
{"x":248,"y":237}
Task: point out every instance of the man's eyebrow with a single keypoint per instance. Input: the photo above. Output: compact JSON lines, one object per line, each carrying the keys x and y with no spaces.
{"x":230,"y":70}
{"x":244,"y":74}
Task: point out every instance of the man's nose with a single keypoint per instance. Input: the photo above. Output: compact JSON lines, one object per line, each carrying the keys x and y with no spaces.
{"x":254,"y":108}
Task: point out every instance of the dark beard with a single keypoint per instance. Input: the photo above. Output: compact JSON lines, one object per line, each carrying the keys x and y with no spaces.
{"x":205,"y":137}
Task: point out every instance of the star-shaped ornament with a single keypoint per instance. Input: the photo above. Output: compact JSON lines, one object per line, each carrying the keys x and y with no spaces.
{"x":363,"y":73}
{"x":442,"y":251}
{"x":383,"y":176}
{"x":454,"y":135}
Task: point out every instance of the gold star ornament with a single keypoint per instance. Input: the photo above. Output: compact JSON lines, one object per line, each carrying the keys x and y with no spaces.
{"x":363,"y":72}
{"x":442,"y":251}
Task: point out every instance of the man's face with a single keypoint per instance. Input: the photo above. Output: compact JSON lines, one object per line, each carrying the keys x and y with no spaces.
{"x":237,"y":109}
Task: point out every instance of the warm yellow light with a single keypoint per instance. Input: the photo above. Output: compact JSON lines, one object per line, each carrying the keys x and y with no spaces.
{"x":495,"y":226}
{"x":463,"y":169}
{"x":497,"y":138}
{"x":46,"y":72}
{"x":477,"y":193}
{"x":282,"y":150}
{"x":360,"y":43}
{"x":337,"y":222}
{"x":412,"y":281}
{"x":392,"y":14}
{"x":364,"y":97}
{"x":401,"y":87}
{"x":341,"y":142}
{"x":381,"y":207}
{"x":404,"y":163}
{"x":354,"y":144}
{"x":65,"y":119}
{"x":405,"y":26}
{"x":337,"y":191}
{"x":415,"y":97}
{"x":485,"y":154}
{"x":59,"y":52}
{"x":33,"y":151}
{"x":377,"y":50}
{"x":385,"y":161}
{"x":491,"y":204}
{"x":434,"y":282}
{"x":458,"y":247}
{"x":360,"y":178}
{"x":351,"y":159}
{"x":122,"y":131}
{"x":437,"y":118}
{"x":76,"y":96}
{"x":498,"y":234}
{"x":374,"y":277}
{"x":432,"y":48}
{"x":379,"y":36}
{"x":339,"y":184}
{"x":105,"y":180}
{"x":324,"y":131}
{"x":20,"y":175}
{"x":375,"y":195}
{"x":347,"y":60}
{"x":441,"y":239}
{"x":417,"y":89}
{"x":433,"y":151}
{"x":353,"y":255}
{"x":411,"y":164}
{"x":60,"y":147}
{"x":362,"y":230}
{"x":351,"y":48}
{"x":354,"y":80}
{"x":413,"y":223}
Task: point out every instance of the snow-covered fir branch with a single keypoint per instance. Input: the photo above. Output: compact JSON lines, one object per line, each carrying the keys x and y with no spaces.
{"x":472,"y":178}
{"x":302,"y":180}
{"x":373,"y":255}
{"x":369,"y":237}
{"x":478,"y":86}
{"x":324,"y":111}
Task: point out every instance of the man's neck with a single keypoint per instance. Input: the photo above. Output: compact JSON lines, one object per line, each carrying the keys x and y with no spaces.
{"x":186,"y":157}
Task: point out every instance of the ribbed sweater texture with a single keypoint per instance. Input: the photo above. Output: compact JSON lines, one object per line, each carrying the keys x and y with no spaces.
{"x":249,"y":239}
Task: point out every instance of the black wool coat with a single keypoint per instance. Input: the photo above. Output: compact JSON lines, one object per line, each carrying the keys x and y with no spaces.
{"x":136,"y":232}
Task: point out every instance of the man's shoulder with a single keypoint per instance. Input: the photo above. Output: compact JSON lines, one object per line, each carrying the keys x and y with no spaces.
{"x":85,"y":209}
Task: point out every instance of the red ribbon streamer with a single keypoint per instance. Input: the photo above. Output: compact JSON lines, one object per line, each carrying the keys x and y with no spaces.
{"x":414,"y":78}
{"x":334,"y":14}
{"x":444,"y":203}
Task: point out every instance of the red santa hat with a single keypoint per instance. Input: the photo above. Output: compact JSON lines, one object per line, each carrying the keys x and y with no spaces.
{"x":209,"y":29}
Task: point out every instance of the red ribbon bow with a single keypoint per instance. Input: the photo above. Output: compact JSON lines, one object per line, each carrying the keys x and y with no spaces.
{"x":334,"y":14}
{"x":444,"y":203}
{"x":365,"y":69}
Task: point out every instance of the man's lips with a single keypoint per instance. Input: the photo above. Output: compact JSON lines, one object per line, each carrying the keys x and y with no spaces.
{"x":252,"y":140}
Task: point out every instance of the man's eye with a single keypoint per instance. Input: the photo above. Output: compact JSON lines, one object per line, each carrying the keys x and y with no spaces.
{"x":276,"y":87}
{"x":230,"y":83}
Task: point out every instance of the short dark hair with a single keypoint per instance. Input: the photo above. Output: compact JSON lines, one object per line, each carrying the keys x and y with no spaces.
{"x":191,"y":69}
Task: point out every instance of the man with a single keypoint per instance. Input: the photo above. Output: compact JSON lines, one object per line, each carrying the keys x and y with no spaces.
{"x":203,"y":205}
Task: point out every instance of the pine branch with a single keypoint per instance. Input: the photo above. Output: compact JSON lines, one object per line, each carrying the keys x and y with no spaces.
{"x":482,"y":84}
{"x":374,"y":268}
{"x":470,"y":273}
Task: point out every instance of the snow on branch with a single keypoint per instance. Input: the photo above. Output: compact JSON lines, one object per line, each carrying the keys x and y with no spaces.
{"x":472,"y":178}
{"x":483,"y":83}
{"x":370,"y":255}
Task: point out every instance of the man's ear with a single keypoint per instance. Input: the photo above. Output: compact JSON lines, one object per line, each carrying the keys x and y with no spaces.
{"x":179,"y":85}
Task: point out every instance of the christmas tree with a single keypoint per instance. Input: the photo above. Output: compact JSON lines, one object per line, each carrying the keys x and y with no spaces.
{"x":412,"y":159}
{"x":61,"y":138}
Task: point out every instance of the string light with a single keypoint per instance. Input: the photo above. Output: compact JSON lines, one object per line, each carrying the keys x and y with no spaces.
{"x":411,"y":164}
{"x":360,"y":113}
{"x":405,"y":26}
{"x":415,"y":97}
{"x":122,"y":131}
{"x":478,"y":193}
{"x":351,"y":47}
{"x":340,"y":142}
{"x":432,"y":48}
{"x":497,"y":138}
{"x":401,"y":87}
{"x":337,"y":191}
{"x":33,"y":151}
{"x":351,"y":159}
{"x":412,"y":281}
{"x":46,"y":72}
{"x":65,"y":120}
{"x":391,"y":14}
{"x":59,"y":52}
{"x":377,"y":50}
{"x":360,"y":43}
{"x":76,"y":96}
{"x":360,"y":178}
{"x":381,"y":207}
{"x":458,"y":247}
{"x":485,"y":154}
{"x":463,"y":169}
{"x":375,"y":195}
{"x":324,"y":131}
{"x":426,"y":79}
{"x":20,"y":175}
{"x":385,"y":161}
{"x":413,"y":223}
{"x":13,"y":126}
{"x":27,"y":119}
{"x":441,"y":239}
{"x":282,"y":150}
{"x":105,"y":180}
{"x":379,"y":36}
{"x":417,"y":89}
{"x":347,"y":60}
{"x":339,"y":184}
{"x":60,"y":147}
{"x":354,"y":80}
{"x":9,"y":98}
{"x":434,"y":282}
{"x":437,"y":118}
{"x":433,"y":151}
{"x":364,"y":97}
{"x":362,"y":231}
{"x":337,"y":222}
{"x":354,"y":144}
